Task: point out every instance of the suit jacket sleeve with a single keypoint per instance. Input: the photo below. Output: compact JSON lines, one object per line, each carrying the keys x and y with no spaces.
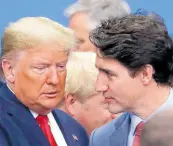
{"x":3,"y":139}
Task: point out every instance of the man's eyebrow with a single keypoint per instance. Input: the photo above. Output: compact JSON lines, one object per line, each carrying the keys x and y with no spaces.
{"x":62,"y":62}
{"x":105,"y":70}
{"x":43,"y":62}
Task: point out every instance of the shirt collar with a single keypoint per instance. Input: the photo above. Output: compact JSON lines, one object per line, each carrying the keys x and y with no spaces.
{"x":10,"y":89}
{"x":34,"y":113}
{"x":135,"y":120}
{"x":49,"y":115}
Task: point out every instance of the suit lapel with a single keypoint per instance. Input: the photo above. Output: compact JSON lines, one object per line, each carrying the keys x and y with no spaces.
{"x":67,"y":131}
{"x":23,"y":118}
{"x":120,"y":135}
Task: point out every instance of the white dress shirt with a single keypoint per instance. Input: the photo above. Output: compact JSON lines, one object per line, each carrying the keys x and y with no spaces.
{"x":56,"y":132}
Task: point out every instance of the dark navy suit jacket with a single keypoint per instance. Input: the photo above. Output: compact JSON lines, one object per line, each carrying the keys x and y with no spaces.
{"x":19,"y":128}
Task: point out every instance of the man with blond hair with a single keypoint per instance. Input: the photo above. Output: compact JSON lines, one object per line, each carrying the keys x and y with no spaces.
{"x":34,"y":56}
{"x":85,"y":15}
{"x":81,"y":101}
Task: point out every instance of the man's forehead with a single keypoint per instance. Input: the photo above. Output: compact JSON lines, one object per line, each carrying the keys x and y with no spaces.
{"x":100,"y":62}
{"x":104,"y":62}
{"x":55,"y":48}
{"x":78,"y":16}
{"x":44,"y":56}
{"x":79,"y":22}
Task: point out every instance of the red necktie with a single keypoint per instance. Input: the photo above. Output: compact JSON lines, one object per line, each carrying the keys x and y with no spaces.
{"x":43,"y":123}
{"x":136,"y":141}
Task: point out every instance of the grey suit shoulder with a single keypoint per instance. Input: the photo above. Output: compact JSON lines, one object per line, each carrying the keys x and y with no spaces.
{"x":114,"y":133}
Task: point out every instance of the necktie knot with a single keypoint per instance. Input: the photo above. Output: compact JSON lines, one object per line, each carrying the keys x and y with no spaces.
{"x":42,"y":119}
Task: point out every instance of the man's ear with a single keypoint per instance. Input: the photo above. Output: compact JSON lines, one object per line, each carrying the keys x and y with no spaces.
{"x":70,"y":104}
{"x":8,"y":70}
{"x":147,"y":74}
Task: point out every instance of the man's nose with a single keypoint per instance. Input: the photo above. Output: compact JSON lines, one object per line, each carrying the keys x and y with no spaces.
{"x":53,"y":76}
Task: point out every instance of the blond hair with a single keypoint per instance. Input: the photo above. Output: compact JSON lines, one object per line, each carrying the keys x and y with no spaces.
{"x":81,"y":74}
{"x":31,"y":31}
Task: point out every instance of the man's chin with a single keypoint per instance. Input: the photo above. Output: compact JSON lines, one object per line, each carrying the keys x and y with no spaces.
{"x":113,"y":110}
{"x":50,"y":107}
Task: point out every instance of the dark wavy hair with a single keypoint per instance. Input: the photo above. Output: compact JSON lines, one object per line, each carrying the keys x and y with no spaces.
{"x":136,"y":40}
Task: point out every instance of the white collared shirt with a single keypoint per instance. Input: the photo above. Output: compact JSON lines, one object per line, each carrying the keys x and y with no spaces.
{"x":56,"y":132}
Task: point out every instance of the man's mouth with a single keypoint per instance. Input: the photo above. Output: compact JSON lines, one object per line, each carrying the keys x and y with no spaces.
{"x":51,"y":94}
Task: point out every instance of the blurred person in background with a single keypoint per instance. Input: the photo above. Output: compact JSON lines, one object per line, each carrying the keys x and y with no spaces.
{"x":135,"y":62}
{"x":82,"y":102}
{"x":85,"y":15}
{"x":34,"y":57}
{"x":157,"y":131}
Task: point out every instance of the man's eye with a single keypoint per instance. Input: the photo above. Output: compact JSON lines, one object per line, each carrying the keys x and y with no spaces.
{"x":109,"y":74}
{"x":39,"y":70}
{"x":61,"y":67}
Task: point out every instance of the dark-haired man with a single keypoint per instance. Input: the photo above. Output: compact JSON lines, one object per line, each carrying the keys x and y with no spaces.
{"x":135,"y":59}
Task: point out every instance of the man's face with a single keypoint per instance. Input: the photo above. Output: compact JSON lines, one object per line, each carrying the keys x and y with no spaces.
{"x":93,"y":112}
{"x":40,"y":77}
{"x":79,"y":23}
{"x":120,"y":90}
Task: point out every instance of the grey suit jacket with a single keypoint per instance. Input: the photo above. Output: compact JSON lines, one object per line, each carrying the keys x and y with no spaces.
{"x":114,"y":133}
